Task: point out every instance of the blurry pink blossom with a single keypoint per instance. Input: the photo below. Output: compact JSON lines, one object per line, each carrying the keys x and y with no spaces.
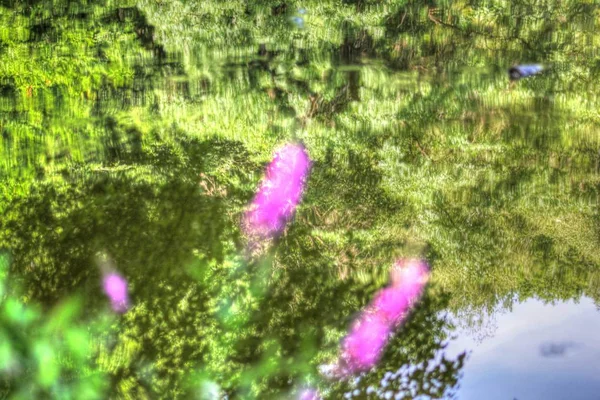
{"x":115,"y":287}
{"x":363,"y":346}
{"x":413,"y":272}
{"x":279,"y":193}
{"x":408,"y":280}
{"x":391,"y":303}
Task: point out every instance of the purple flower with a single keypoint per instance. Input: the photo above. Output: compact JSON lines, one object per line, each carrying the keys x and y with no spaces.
{"x":408,"y":280}
{"x":391,"y":304}
{"x":411,"y":273}
{"x":115,"y":287}
{"x":363,"y":346}
{"x":279,"y":193}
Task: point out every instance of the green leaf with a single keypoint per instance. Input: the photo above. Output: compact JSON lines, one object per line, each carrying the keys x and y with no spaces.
{"x":47,"y":368}
{"x":63,"y":315}
{"x":17,"y":313}
{"x":7,"y":355}
{"x":78,"y":343}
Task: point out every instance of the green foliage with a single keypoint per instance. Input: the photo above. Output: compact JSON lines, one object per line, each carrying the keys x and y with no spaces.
{"x":45,"y":356}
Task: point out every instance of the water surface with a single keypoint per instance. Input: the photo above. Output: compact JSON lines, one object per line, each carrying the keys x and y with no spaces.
{"x":534,"y":351}
{"x":141,"y":131}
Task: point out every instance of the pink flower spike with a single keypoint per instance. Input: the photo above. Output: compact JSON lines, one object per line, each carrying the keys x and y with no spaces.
{"x":392,"y":304}
{"x":411,"y":271}
{"x":115,"y":287}
{"x":279,"y":193}
{"x":409,"y":277}
{"x":363,"y":346}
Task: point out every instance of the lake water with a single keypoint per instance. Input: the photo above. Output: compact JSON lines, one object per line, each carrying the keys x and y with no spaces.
{"x":534,"y":351}
{"x":136,"y":136}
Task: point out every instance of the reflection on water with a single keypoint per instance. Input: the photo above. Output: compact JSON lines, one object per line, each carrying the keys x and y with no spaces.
{"x":538,"y":351}
{"x":143,"y":130}
{"x":415,"y":363}
{"x":556,"y":349}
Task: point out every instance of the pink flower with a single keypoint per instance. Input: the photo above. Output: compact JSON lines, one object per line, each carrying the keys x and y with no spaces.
{"x":279,"y":193}
{"x":362,"y":348}
{"x":115,"y":287}
{"x":410,"y":272}
{"x":391,"y":304}
{"x":408,"y":280}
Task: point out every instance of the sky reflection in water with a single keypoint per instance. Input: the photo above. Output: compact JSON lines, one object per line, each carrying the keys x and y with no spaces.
{"x":539,"y":351}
